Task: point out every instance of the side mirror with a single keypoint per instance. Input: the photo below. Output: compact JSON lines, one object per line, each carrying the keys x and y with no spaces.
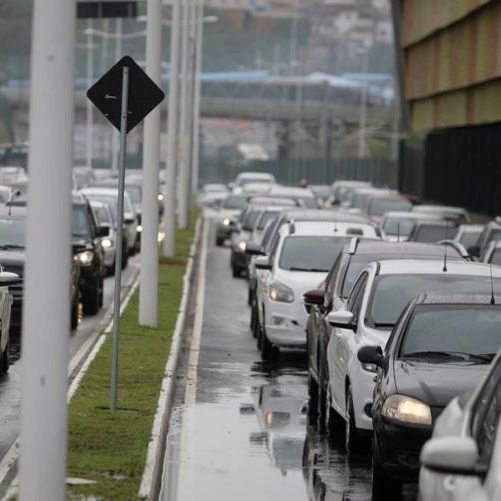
{"x":103,"y":231}
{"x":254,"y":249}
{"x":314,"y":297}
{"x":230,"y":186}
{"x":8,"y":278}
{"x":371,"y":355}
{"x":342,"y":319}
{"x":246,"y":227}
{"x":451,"y":455}
{"x":262,"y":263}
{"x":474,"y":250}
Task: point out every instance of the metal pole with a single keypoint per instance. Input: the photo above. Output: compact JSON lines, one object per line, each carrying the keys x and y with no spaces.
{"x":46,"y":305}
{"x":116,"y":136}
{"x":120,"y":224}
{"x":89,"y":108}
{"x":183,"y":129}
{"x":363,"y":108}
{"x":148,"y":288}
{"x":196,"y":101}
{"x":169,"y":244}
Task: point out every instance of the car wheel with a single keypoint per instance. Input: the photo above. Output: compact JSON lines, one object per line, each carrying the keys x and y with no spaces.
{"x":352,"y":438}
{"x":125,"y":255}
{"x":252,"y":319}
{"x":74,"y":315}
{"x":249,"y":296}
{"x":5,"y":360}
{"x":383,"y":486}
{"x":334,"y":424}
{"x":235,"y":272}
{"x":91,"y":301}
{"x":219,"y":242}
{"x":259,"y":335}
{"x":269,"y":353}
{"x":101,"y":293}
{"x":312,"y":402}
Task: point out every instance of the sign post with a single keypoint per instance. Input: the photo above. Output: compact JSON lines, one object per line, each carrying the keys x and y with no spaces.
{"x":124,"y":95}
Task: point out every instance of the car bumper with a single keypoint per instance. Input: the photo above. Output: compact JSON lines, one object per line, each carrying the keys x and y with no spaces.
{"x":223,"y":231}
{"x":398,"y":446}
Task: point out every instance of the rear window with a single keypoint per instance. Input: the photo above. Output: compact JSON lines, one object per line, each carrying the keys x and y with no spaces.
{"x":379,"y":206}
{"x":391,"y":293}
{"x":12,"y":232}
{"x":310,"y":253}
{"x":399,"y":226}
{"x":431,"y":234}
{"x":234,"y":202}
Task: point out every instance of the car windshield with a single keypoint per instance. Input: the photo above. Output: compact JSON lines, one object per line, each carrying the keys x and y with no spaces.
{"x":379,"y":206}
{"x":391,"y":293}
{"x":12,"y":232}
{"x":265,"y":217}
{"x":79,"y":222}
{"x":250,"y":217}
{"x":399,"y":225}
{"x":495,"y":257}
{"x":234,"y":202}
{"x":444,"y":332}
{"x":433,"y":233}
{"x":103,"y":215}
{"x":109,"y":199}
{"x":469,"y":239}
{"x":311,"y":253}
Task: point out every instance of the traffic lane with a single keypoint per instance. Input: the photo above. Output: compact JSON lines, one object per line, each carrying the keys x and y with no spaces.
{"x":10,"y":384}
{"x":246,"y":434}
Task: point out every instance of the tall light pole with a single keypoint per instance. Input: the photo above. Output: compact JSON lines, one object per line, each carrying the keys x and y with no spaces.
{"x":89,"y":107}
{"x":183,"y":142}
{"x":44,"y":422}
{"x":169,"y":243}
{"x":197,"y":98}
{"x":148,"y":288}
{"x":363,"y":104}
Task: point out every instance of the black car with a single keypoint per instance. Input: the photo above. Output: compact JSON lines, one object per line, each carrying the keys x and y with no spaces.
{"x":88,"y":253}
{"x":439,"y":348}
{"x":12,"y":258}
{"x":332,"y":297}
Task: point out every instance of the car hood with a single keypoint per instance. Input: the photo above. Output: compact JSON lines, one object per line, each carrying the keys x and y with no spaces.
{"x":299,"y":281}
{"x":436,"y":383}
{"x":80,"y":243}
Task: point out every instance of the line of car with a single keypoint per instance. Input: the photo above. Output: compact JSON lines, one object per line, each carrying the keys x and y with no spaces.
{"x":394,"y":328}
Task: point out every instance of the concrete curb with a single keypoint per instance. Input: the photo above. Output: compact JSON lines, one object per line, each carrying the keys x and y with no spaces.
{"x":150,"y":483}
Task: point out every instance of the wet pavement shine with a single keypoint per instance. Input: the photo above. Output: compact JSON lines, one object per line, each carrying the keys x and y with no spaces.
{"x":239,"y":431}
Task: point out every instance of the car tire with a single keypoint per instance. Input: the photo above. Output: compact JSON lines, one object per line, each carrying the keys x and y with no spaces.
{"x":334,"y":423}
{"x":5,"y":362}
{"x":219,"y":242}
{"x":91,"y":300}
{"x":74,"y":316}
{"x":312,"y":402}
{"x":101,"y":293}
{"x":383,"y":486}
{"x":252,"y":322}
{"x":352,"y":439}
{"x":235,"y":272}
{"x":125,"y":255}
{"x":269,"y":353}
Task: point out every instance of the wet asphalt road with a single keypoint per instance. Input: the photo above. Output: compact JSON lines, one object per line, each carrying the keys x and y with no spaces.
{"x":239,"y":430}
{"x":10,"y":385}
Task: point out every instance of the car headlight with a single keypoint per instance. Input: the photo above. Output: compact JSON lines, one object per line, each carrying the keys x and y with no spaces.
{"x":107,"y":243}
{"x":139,"y":228}
{"x":83,"y":258}
{"x":280,"y":292}
{"x":160,"y":197}
{"x":226,"y":222}
{"x":406,"y":409}
{"x":242,"y":245}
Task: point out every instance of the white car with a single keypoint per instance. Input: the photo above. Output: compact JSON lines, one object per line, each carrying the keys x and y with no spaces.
{"x":462,"y":460}
{"x":397,"y":226}
{"x":245,"y":178}
{"x":6,"y":278}
{"x":110,"y":195}
{"x":300,"y":258}
{"x":377,"y":298}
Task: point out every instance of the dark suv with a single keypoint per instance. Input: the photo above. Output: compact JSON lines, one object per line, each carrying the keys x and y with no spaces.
{"x":12,"y":258}
{"x":88,"y":253}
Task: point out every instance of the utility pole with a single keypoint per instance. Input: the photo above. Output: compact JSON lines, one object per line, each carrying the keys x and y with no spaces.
{"x":363,"y":105}
{"x":44,"y":422}
{"x":89,"y":108}
{"x":115,"y":138}
{"x":169,"y":244}
{"x":148,"y":288}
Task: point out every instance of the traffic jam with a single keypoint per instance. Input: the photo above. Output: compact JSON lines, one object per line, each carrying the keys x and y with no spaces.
{"x":387,"y":311}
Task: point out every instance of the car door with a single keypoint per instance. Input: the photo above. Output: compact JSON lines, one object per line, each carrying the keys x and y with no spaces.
{"x":339,"y":347}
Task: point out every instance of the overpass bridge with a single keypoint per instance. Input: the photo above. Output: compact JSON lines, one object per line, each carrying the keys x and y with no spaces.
{"x":324,"y":108}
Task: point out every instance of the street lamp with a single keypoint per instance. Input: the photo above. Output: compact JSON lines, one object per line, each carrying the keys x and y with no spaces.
{"x":363,"y":51}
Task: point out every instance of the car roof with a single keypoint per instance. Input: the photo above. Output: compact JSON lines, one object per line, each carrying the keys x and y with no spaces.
{"x":474,"y":228}
{"x":411,"y":215}
{"x":420,"y":267}
{"x":13,"y":211}
{"x":361,"y":246}
{"x":255,"y":175}
{"x":293,"y":191}
{"x":454,"y":298}
{"x":322,"y":215}
{"x":335,"y":228}
{"x":438,"y":207}
{"x":103,"y":190}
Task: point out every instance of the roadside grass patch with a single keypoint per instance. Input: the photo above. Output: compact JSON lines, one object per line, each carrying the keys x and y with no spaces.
{"x":110,"y":448}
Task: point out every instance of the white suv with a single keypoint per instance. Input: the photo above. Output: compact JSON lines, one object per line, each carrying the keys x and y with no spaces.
{"x":301,"y":257}
{"x":377,"y":299}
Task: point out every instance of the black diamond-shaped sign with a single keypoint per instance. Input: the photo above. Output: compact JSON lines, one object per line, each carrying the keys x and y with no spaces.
{"x":144,"y":93}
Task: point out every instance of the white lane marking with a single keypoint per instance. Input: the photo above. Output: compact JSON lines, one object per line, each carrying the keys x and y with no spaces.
{"x":191,"y":380}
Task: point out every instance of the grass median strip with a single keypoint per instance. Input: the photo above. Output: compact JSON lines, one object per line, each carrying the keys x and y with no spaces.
{"x":110,"y":448}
